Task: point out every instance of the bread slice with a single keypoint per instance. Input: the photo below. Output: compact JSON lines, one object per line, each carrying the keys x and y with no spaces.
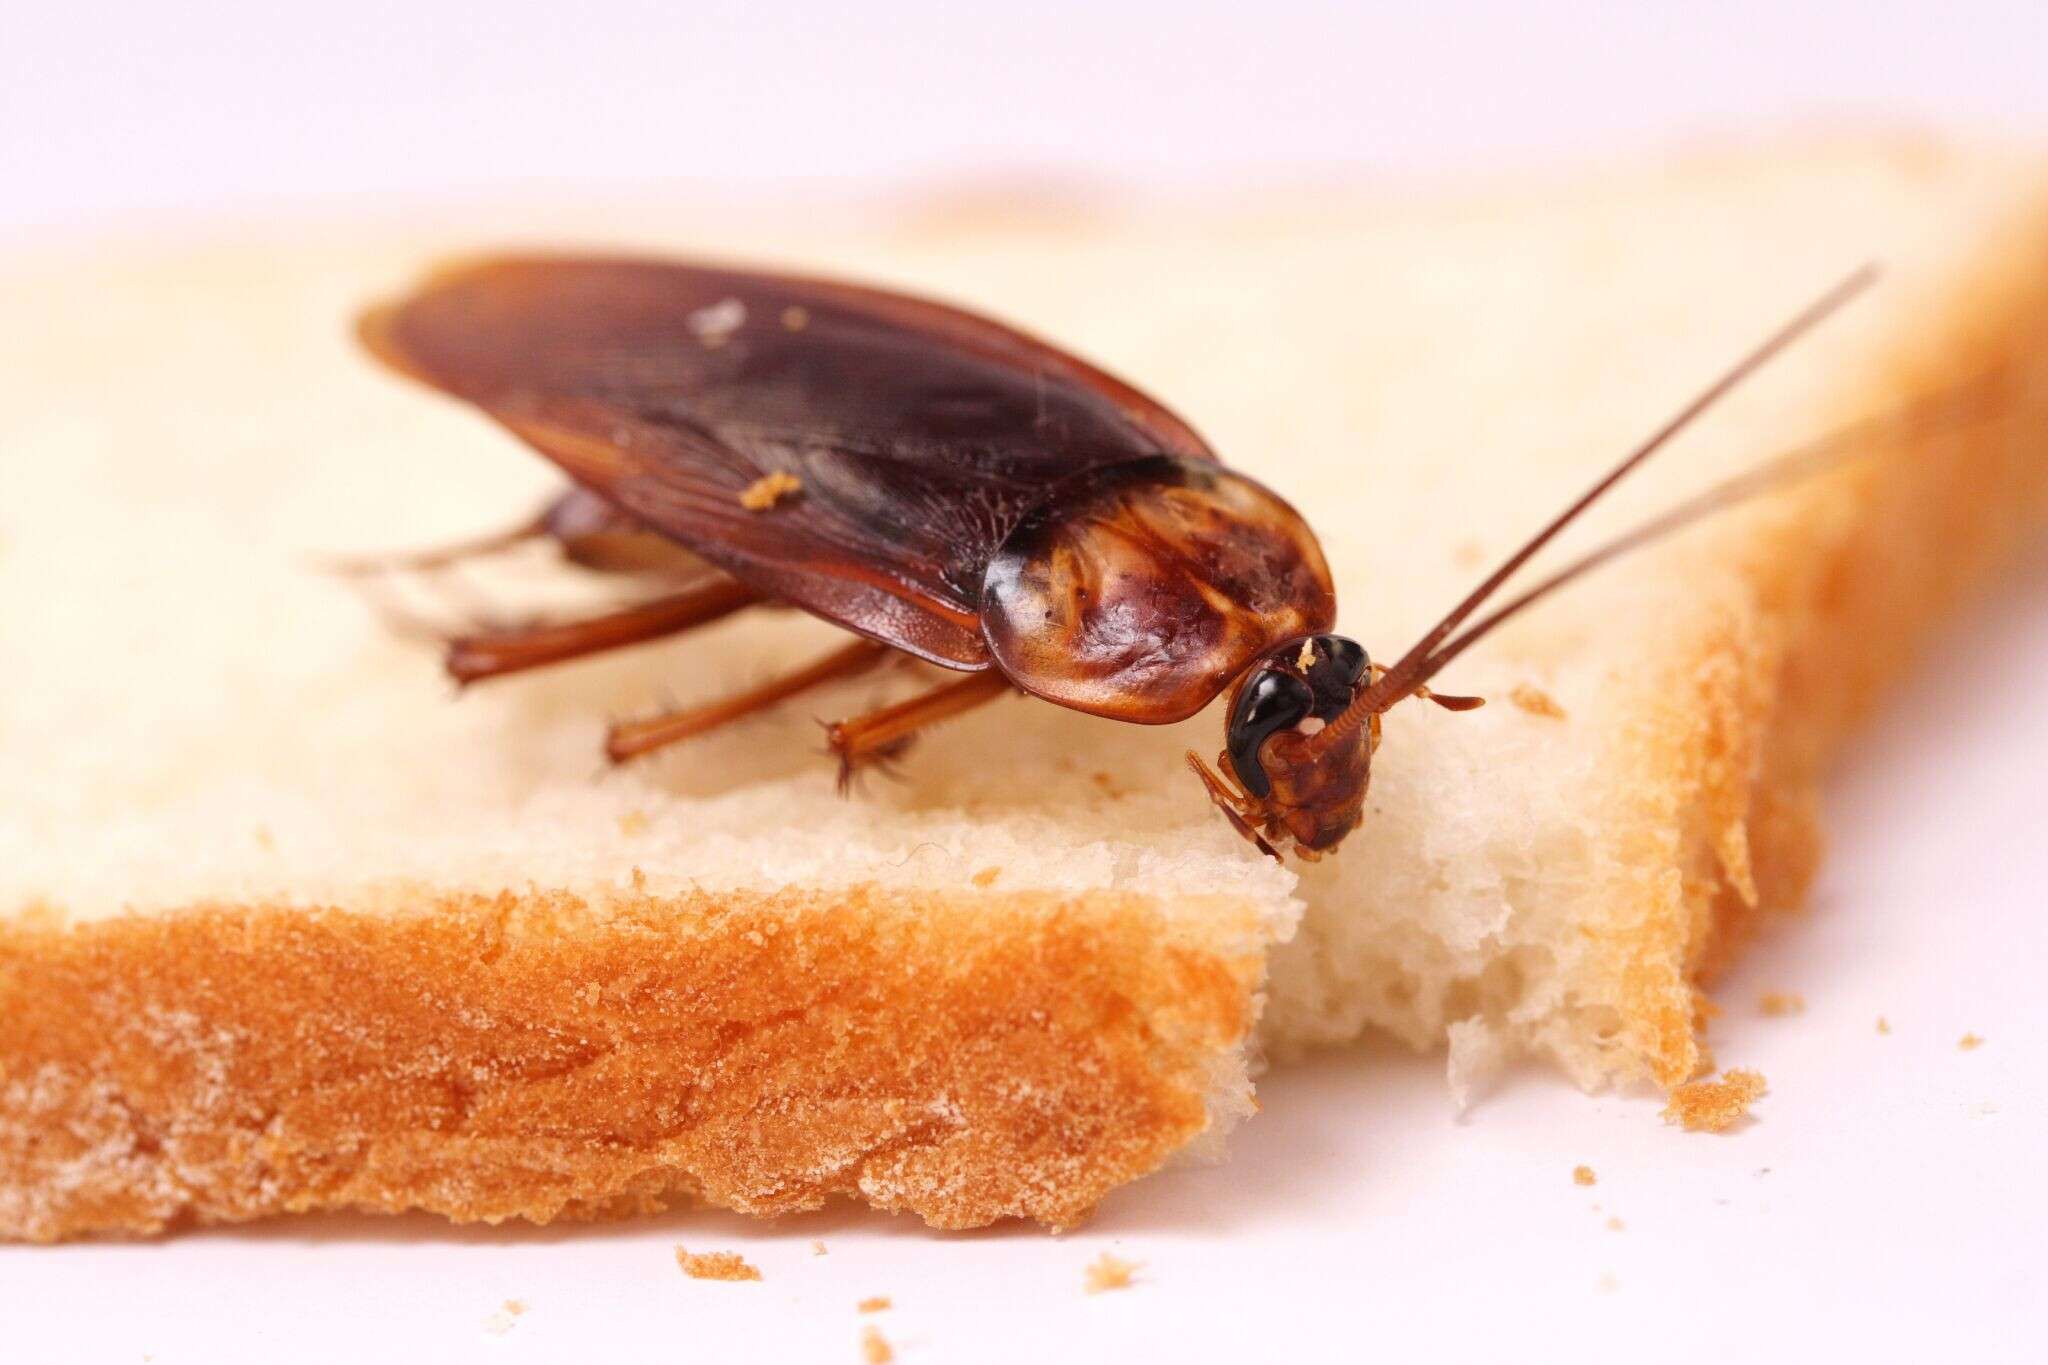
{"x":287,"y":927}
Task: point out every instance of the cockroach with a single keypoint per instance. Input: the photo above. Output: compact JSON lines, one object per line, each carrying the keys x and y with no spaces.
{"x":948,"y":488}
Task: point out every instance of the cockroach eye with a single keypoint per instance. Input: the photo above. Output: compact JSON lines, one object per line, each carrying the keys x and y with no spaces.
{"x":1271,"y":702}
{"x":1338,"y":665}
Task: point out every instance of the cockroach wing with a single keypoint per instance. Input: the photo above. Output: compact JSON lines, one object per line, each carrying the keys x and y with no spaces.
{"x":1143,"y":589}
{"x":918,"y":435}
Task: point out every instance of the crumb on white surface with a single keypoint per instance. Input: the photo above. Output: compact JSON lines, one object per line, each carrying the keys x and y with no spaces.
{"x":500,"y":1322}
{"x":1109,"y":1271}
{"x":874,"y":1347}
{"x":1715,"y":1106}
{"x":715,"y":1265}
{"x":1583,"y":1175}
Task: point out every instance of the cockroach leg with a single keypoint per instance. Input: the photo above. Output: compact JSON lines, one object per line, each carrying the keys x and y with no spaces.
{"x":1234,"y":804}
{"x":493,"y":654}
{"x":634,"y":738}
{"x":884,"y":734}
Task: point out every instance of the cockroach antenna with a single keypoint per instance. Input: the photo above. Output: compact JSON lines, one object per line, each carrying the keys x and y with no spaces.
{"x":1413,"y":669}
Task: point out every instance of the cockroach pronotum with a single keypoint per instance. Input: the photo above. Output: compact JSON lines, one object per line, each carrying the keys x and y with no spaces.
{"x":948,"y":488}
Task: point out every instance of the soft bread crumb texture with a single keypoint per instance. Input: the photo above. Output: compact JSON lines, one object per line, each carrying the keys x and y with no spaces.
{"x":1583,"y":1175}
{"x":715,"y":1265}
{"x":1107,"y":1272}
{"x":283,"y":927}
{"x":874,"y":1347}
{"x":1715,"y":1105}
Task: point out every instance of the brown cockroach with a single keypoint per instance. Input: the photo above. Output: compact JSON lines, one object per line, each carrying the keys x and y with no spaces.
{"x":949,"y":488}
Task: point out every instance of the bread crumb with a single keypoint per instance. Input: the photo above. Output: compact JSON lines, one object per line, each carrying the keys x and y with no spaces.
{"x":633,"y":823}
{"x":1715,"y":1106}
{"x":1969,"y":1042}
{"x":875,"y":1304}
{"x":986,"y":876}
{"x":592,"y":992}
{"x":1779,"y":1004}
{"x":1615,"y":1225}
{"x":1535,"y":701}
{"x":1109,"y":1272}
{"x":1583,"y":1175}
{"x":715,"y":1265}
{"x":817,"y":1248}
{"x":500,"y":1322}
{"x":795,"y":318}
{"x":1884,"y":1025}
{"x":875,"y":1348}
{"x":764,"y":492}
{"x":265,"y":840}
{"x":713,"y":326}
{"x":1307,"y":658}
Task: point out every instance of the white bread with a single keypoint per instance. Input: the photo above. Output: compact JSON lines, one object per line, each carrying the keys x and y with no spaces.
{"x":286,"y":927}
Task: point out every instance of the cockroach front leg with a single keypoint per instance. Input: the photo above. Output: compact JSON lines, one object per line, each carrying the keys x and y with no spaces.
{"x":884,"y":734}
{"x":1234,"y":804}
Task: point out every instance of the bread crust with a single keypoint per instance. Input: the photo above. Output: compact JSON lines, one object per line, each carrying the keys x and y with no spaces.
{"x":543,"y":1056}
{"x":1827,"y":615}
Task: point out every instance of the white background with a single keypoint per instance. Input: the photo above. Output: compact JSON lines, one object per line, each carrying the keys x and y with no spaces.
{"x":1888,"y":1202}
{"x":203,"y":103}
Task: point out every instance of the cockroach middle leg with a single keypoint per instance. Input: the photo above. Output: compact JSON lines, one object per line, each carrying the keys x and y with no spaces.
{"x":631,"y":739}
{"x":493,"y":654}
{"x":881,"y":735}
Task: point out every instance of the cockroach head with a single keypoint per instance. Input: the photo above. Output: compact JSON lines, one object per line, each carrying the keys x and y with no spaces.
{"x":1298,"y":686}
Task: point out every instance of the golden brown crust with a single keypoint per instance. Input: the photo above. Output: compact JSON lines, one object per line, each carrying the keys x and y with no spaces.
{"x":962,"y":1058}
{"x":1830,"y":611}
